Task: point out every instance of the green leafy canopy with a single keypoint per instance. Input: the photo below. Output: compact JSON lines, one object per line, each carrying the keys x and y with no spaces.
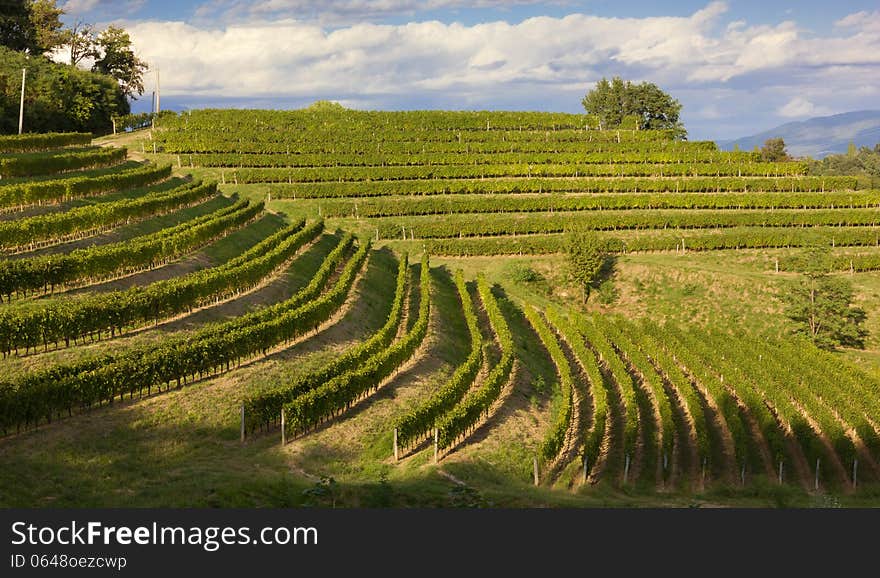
{"x":612,"y":101}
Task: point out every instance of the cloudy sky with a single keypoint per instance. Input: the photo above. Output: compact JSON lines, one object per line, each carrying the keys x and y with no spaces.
{"x":737,"y":66}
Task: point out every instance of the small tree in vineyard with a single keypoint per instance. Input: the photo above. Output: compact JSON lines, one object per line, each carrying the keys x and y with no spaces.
{"x":822,"y":305}
{"x":587,"y":259}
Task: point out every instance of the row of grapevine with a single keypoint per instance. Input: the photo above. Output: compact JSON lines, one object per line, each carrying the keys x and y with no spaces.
{"x":852,"y":393}
{"x":640,"y":366}
{"x":90,"y":219}
{"x":65,"y":189}
{"x":274,"y":124}
{"x":419,"y":422}
{"x":626,"y":386}
{"x":574,"y":185}
{"x":43,"y":141}
{"x":401,"y":206}
{"x":586,"y":359}
{"x":857,"y":262}
{"x":315,"y":151}
{"x":741,"y":387}
{"x":667,"y":368}
{"x":49,"y":272}
{"x":554,"y":439}
{"x":485,"y":225}
{"x":522,"y":170}
{"x":332,"y":397}
{"x":745,"y":450}
{"x":818,"y":430}
{"x":265,"y":407}
{"x":45,"y":322}
{"x":59,"y":162}
{"x":45,"y":393}
{"x":358,"y":167}
{"x":734,"y":238}
{"x":458,"y":421}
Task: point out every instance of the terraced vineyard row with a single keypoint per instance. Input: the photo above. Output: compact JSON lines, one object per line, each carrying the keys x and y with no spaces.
{"x":398,"y":206}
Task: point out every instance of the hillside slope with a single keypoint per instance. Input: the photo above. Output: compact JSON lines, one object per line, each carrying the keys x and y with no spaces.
{"x":820,"y":136}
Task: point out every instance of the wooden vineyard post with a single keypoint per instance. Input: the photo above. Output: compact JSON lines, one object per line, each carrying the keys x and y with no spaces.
{"x":855,"y":472}
{"x":703,"y":474}
{"x":586,"y":465}
{"x":242,"y":423}
{"x":742,"y":475}
{"x":283,"y":427}
{"x":535,"y":469}
{"x":817,"y":475}
{"x":436,"y":445}
{"x":780,"y":472}
{"x":626,"y":469}
{"x":396,"y":455}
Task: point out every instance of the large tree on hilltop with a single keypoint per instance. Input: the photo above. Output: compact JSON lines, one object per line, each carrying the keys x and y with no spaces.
{"x":613,"y":100}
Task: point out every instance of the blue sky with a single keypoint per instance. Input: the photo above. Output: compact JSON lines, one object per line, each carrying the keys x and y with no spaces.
{"x":737,"y":66}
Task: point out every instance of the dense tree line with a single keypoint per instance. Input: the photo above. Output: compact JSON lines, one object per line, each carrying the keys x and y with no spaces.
{"x":861,"y":161}
{"x":58,"y":97}
{"x":62,"y":97}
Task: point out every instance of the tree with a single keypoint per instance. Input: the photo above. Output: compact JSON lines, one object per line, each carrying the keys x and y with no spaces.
{"x":81,"y":40}
{"x":614,"y":100}
{"x":17,"y":32}
{"x":325,"y":106}
{"x":864,"y":161}
{"x":821,"y":305}
{"x":45,"y":17}
{"x":587,"y":258}
{"x":116,"y":58}
{"x":59,"y":97}
{"x":774,"y":150}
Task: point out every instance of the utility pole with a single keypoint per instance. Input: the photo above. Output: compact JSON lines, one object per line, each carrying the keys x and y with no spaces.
{"x":21,"y":107}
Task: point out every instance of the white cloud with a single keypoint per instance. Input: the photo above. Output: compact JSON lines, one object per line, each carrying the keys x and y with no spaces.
{"x":109,"y":8}
{"x":339,"y":12}
{"x":79,"y":6}
{"x":455,"y":65}
{"x":862,"y":19}
{"x":797,"y":106}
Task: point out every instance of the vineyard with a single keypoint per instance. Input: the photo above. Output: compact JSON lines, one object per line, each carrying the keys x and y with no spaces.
{"x":373,"y":308}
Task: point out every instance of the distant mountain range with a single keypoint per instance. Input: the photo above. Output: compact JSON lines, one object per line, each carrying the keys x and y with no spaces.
{"x":820,"y":136}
